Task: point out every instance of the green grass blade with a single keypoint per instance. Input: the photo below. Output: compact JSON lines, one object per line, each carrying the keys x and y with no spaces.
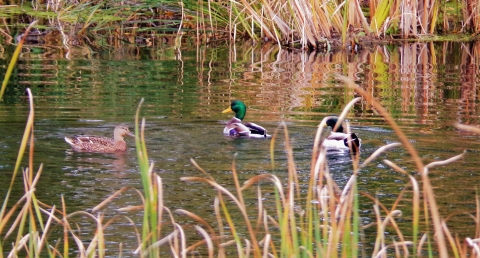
{"x":21,"y":152}
{"x":12,"y":63}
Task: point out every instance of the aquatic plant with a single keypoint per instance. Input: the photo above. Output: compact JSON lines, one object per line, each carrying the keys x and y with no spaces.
{"x":301,"y":23}
{"x":296,"y":221}
{"x":322,"y":220}
{"x":326,"y":222}
{"x":13,"y":61}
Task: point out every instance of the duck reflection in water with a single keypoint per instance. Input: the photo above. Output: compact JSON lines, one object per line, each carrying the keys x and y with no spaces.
{"x":119,"y":163}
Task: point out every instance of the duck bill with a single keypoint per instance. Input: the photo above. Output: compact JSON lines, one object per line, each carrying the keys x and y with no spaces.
{"x":229,"y":109}
{"x":131,"y":134}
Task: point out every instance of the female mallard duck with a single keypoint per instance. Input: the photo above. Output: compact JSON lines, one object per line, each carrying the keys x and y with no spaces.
{"x":339,"y":140}
{"x":99,"y":143}
{"x":236,"y":128}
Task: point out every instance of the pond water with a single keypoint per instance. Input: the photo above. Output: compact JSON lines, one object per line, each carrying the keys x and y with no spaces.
{"x":427,"y":87}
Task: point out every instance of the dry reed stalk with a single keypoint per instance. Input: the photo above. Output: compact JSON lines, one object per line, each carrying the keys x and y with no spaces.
{"x":221,"y":233}
{"x":429,"y":197}
{"x":408,"y":21}
{"x":238,"y":200}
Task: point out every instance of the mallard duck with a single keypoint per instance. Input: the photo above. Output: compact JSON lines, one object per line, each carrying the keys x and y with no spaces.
{"x":100,"y":143}
{"x":339,"y":140}
{"x":235,"y":127}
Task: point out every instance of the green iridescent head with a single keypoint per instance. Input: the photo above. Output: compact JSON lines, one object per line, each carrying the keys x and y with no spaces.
{"x":332,"y":121}
{"x":238,"y":107}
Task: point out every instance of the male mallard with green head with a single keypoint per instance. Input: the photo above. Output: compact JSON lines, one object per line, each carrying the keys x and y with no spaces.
{"x":236,"y":128}
{"x":339,"y":139}
{"x":100,"y":143}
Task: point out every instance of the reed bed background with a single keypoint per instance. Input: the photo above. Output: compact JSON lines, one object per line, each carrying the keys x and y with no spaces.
{"x":320,"y":221}
{"x":301,"y":23}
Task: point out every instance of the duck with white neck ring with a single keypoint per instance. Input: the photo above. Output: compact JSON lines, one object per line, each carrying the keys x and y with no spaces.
{"x":339,"y":140}
{"x":236,"y":128}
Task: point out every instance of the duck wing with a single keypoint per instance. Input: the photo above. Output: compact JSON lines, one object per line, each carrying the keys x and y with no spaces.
{"x":256,"y":130}
{"x":95,"y":144}
{"x":82,"y":139}
{"x":337,"y":136}
{"x":342,"y":142}
{"x":332,"y":143}
{"x":236,"y":128}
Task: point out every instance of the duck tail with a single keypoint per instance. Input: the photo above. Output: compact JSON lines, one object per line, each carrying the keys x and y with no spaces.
{"x":69,"y":140}
{"x":352,"y":141}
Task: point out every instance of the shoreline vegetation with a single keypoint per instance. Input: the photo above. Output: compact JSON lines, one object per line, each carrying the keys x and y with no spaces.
{"x":315,"y":220}
{"x":322,"y":220}
{"x":314,"y":25}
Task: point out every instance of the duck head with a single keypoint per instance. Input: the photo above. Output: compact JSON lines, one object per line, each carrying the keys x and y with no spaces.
{"x":238,"y":107}
{"x":332,"y":121}
{"x":120,"y":132}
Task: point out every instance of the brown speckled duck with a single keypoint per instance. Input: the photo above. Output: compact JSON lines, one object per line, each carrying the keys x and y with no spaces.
{"x":100,"y":143}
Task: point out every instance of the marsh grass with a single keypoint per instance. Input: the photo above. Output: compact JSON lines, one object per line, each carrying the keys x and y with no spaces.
{"x":326,"y":222}
{"x":299,"y":23}
{"x":13,"y":61}
{"x":320,"y":219}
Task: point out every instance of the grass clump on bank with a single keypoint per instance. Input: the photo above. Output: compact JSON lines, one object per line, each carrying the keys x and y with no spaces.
{"x":300,"y":24}
{"x":319,"y":220}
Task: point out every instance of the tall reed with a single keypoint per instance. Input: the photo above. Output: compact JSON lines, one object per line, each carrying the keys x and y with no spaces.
{"x":318,"y":220}
{"x":321,"y":220}
{"x":314,"y":24}
{"x":325,"y":220}
{"x":13,"y":61}
{"x":300,"y":23}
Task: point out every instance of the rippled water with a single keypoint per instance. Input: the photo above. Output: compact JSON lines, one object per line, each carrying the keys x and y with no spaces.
{"x":426,"y":87}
